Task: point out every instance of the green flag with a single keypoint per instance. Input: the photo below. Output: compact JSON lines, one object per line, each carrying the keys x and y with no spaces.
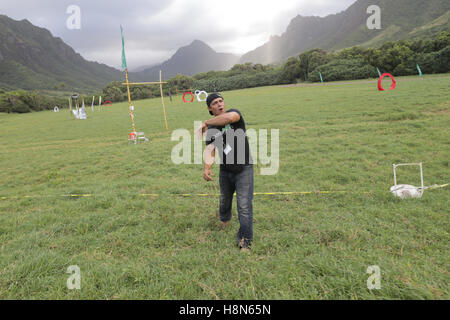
{"x":321,"y":79}
{"x":420,"y":71}
{"x":379,"y":73}
{"x":124,"y":60}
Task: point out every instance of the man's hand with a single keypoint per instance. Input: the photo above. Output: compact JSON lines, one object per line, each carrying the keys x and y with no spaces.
{"x":200,"y":131}
{"x":207,"y":175}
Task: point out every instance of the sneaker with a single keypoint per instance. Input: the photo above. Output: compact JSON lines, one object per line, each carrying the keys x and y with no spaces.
{"x":244,"y":245}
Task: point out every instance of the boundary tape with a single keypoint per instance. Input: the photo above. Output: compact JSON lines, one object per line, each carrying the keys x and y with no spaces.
{"x":200,"y":194}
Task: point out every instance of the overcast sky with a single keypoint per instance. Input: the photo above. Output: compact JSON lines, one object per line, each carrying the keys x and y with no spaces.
{"x":154,"y":30}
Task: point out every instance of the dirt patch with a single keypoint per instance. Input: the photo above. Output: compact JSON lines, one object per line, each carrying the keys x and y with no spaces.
{"x":438,"y":112}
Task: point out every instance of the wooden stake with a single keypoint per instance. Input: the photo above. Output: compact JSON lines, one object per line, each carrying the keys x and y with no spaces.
{"x":144,"y":83}
{"x":129,"y":101}
{"x":162,"y":99}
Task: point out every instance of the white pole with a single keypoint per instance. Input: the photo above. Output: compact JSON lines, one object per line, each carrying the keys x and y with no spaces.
{"x":395,"y":176}
{"x":421,"y":174}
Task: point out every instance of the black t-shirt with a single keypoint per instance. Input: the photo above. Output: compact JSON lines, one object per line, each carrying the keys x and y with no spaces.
{"x":232,"y":143}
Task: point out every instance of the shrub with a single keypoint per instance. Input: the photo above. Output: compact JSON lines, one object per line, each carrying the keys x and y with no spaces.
{"x":441,"y":62}
{"x":242,"y":81}
{"x":23,"y":101}
{"x":343,"y":69}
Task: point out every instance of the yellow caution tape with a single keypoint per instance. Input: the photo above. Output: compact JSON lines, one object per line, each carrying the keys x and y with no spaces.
{"x":205,"y":194}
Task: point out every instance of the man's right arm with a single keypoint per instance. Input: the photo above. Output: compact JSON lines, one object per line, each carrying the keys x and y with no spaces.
{"x":209,"y":156}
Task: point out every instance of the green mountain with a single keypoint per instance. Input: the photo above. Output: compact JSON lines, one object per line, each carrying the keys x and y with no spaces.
{"x":191,"y":60}
{"x":31,"y":58}
{"x":400,"y":19}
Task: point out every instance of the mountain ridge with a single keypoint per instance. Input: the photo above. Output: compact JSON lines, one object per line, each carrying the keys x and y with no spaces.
{"x":32,"y":58}
{"x":348,"y":28}
{"x":189,"y":60}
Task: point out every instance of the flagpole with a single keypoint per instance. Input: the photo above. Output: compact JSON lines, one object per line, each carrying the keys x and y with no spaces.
{"x":129,"y":101}
{"x":162,"y":98}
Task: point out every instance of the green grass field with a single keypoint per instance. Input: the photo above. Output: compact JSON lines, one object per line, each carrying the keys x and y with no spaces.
{"x":337,"y":137}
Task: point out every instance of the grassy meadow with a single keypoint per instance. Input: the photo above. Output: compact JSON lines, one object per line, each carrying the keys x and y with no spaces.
{"x":130,"y":244}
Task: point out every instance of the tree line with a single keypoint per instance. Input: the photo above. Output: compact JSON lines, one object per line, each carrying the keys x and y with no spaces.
{"x":21,"y":101}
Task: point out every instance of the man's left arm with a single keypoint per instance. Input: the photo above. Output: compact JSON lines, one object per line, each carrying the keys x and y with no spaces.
{"x":222,"y":120}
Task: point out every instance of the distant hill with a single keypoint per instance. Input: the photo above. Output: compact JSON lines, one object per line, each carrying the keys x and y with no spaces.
{"x":190,"y":60}
{"x":400,"y":19}
{"x":31,"y":58}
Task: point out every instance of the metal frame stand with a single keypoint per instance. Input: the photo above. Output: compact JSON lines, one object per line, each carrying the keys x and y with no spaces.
{"x":409,"y":164}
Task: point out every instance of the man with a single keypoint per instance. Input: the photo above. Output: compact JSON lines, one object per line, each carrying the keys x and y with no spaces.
{"x":226,"y":132}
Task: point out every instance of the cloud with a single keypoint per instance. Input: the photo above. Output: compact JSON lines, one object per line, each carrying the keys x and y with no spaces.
{"x":154,"y":30}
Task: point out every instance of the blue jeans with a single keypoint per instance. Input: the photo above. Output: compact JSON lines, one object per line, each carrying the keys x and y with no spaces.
{"x":243,"y":184}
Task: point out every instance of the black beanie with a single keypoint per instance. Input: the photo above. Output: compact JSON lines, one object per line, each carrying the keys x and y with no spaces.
{"x":212,"y":97}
